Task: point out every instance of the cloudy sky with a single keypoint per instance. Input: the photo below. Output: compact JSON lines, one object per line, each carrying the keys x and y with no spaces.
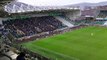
{"x":57,"y":2}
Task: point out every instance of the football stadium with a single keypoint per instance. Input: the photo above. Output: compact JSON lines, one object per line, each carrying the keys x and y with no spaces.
{"x":52,"y":32}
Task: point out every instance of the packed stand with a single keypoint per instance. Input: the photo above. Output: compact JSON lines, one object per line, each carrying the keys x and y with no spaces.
{"x":33,"y":25}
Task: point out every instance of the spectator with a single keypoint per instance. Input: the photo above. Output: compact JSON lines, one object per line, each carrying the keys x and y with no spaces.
{"x":21,"y":56}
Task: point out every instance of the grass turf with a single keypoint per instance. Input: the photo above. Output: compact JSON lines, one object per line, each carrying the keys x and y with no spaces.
{"x":88,"y":43}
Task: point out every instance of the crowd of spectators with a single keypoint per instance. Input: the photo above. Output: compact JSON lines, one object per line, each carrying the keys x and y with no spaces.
{"x":48,"y":34}
{"x":33,"y":25}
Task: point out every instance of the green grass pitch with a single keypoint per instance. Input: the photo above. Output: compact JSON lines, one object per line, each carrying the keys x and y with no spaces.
{"x":89,"y":43}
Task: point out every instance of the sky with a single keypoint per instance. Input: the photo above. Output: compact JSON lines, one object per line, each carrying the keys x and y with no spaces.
{"x":57,"y":2}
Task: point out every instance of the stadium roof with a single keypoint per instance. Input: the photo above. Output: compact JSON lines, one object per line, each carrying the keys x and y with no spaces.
{"x":13,"y":7}
{"x":19,"y":7}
